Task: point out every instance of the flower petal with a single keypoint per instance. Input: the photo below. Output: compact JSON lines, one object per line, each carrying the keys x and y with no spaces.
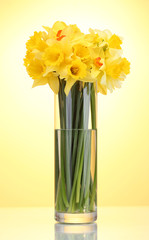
{"x":101,"y":88}
{"x":39,"y":82}
{"x":54,"y":83}
{"x":58,"y":26}
{"x":69,"y":83}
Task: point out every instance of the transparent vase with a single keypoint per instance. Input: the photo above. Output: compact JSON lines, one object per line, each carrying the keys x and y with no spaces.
{"x":76,"y":153}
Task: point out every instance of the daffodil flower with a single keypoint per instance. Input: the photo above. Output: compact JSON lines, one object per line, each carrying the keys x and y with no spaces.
{"x":64,"y":51}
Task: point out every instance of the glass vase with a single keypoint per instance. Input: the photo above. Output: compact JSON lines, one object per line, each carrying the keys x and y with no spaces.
{"x":76,"y":153}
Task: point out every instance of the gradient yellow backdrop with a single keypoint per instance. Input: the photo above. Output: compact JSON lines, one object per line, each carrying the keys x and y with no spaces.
{"x":27,"y":117}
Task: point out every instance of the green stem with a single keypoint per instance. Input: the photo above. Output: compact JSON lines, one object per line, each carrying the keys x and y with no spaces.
{"x":63,"y":172}
{"x":77,"y":114}
{"x":93,"y":107}
{"x":67,"y":161}
{"x":87,"y":185}
{"x":59,"y":201}
{"x":79,"y":176}
{"x":83,"y":116}
{"x":85,"y":170}
{"x":76,"y":169}
{"x":56,"y":163}
{"x":93,"y":194}
{"x":62,"y":140}
{"x":93,"y":113}
{"x":67,"y":140}
{"x":75,"y":150}
{"x":58,"y":194}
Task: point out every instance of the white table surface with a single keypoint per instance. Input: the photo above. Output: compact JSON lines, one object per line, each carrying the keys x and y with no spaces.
{"x":114,"y":223}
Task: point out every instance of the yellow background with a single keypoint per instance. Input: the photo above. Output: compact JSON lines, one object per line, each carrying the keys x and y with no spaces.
{"x":27,"y":115}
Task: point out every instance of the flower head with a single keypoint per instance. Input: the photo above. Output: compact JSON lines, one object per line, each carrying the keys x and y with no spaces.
{"x":64,"y":52}
{"x":81,"y":51}
{"x":125,"y":66}
{"x":59,"y":35}
{"x":97,"y":62}
{"x":35,"y":69}
{"x":53,"y":55}
{"x":115,"y":42}
{"x":57,"y":26}
{"x":77,"y":69}
{"x":36,"y":42}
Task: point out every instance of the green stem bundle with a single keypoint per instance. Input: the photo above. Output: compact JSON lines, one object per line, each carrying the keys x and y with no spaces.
{"x":75,"y":184}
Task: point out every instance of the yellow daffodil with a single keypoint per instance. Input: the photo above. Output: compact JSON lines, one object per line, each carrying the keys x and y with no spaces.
{"x":35,"y":69}
{"x":53,"y":55}
{"x":69,"y":83}
{"x":29,"y":56}
{"x":40,"y":82}
{"x":113,"y":70}
{"x":55,"y":33}
{"x":64,"y":52}
{"x":104,"y":35}
{"x":116,"y":67}
{"x":73,"y":33}
{"x":53,"y":82}
{"x":50,"y":79}
{"x":115,"y":42}
{"x":57,"y":26}
{"x":97,"y":53}
{"x":36,"y":42}
{"x":125,"y":65}
{"x":77,"y":69}
{"x":82,"y":52}
{"x":101,"y":83}
{"x":92,"y":39}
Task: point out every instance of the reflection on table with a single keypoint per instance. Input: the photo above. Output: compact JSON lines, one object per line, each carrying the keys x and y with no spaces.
{"x":113,"y":223}
{"x":76,"y":232}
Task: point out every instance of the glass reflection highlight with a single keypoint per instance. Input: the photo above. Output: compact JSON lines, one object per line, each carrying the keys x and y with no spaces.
{"x":76,"y":232}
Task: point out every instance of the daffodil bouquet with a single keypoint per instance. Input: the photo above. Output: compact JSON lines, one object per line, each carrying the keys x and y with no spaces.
{"x":76,"y":66}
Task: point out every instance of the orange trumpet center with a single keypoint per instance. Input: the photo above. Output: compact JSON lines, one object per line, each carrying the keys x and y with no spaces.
{"x":59,"y":36}
{"x":97,"y":62}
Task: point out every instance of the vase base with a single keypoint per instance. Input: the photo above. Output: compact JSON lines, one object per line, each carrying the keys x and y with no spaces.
{"x":75,"y":217}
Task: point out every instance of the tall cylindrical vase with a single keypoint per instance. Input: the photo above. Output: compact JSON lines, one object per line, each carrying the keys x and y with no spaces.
{"x":76,"y":153}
